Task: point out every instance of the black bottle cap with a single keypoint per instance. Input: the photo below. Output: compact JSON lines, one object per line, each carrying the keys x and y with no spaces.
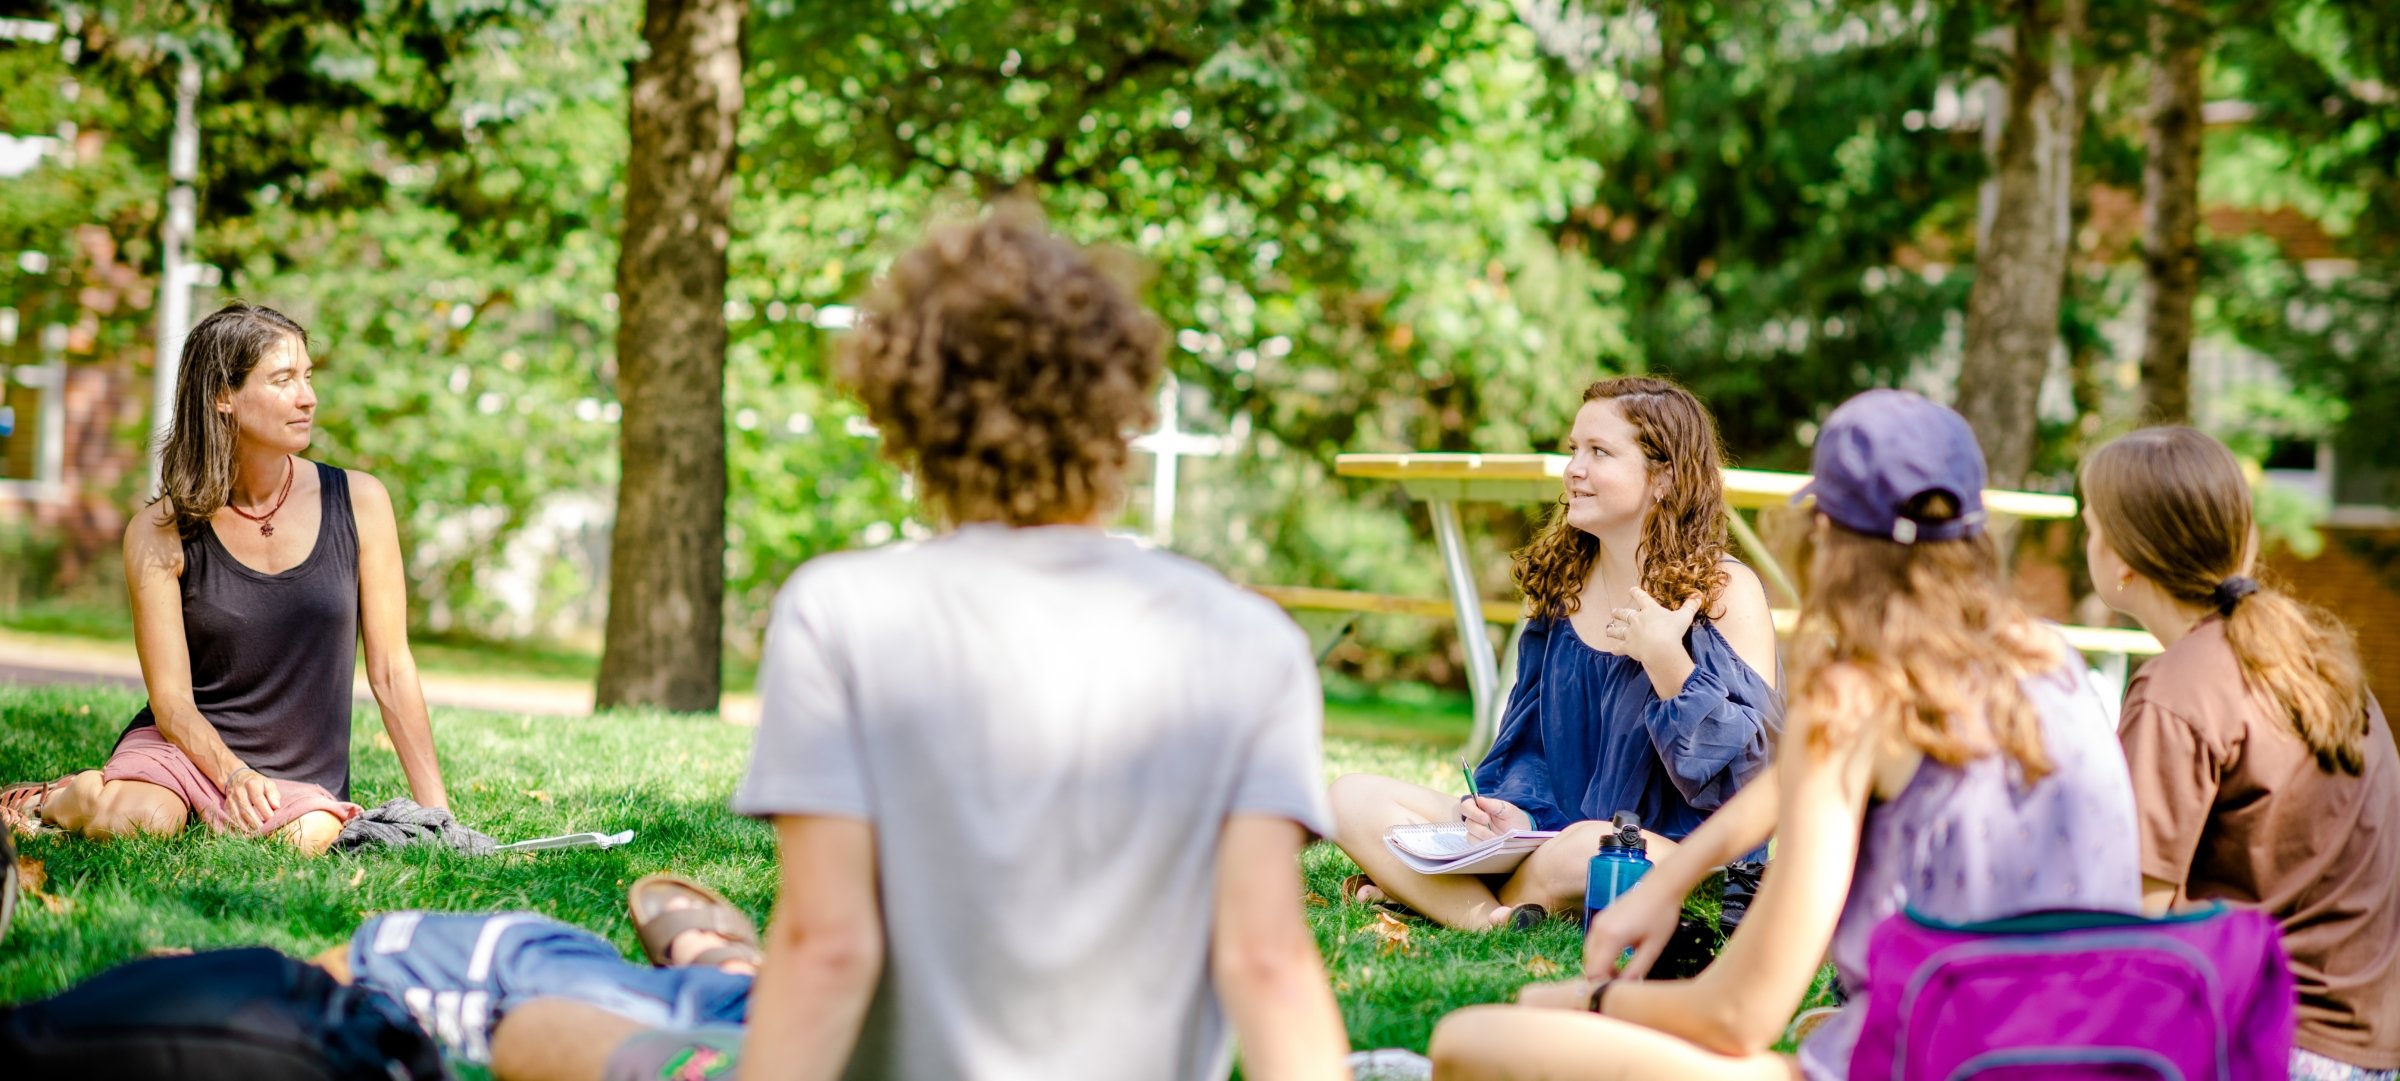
{"x":1628,"y":832}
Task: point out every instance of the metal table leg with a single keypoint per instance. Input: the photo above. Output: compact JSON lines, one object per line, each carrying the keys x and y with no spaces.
{"x":1483,"y":669}
{"x":2110,"y":676}
{"x":1761,"y":560}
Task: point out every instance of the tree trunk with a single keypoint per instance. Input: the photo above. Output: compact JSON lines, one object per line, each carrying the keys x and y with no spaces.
{"x":2012,"y":312}
{"x":666,"y":570}
{"x":2171,"y":212}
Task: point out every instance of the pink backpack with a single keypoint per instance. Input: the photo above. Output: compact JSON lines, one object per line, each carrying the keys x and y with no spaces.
{"x":2204,"y":995}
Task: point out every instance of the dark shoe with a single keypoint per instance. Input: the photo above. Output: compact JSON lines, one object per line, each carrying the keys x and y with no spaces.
{"x":1741,"y":888}
{"x":1527,"y":917}
{"x":1693,"y":946}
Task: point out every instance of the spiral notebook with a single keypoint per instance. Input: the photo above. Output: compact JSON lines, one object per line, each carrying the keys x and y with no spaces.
{"x":1446,"y":849}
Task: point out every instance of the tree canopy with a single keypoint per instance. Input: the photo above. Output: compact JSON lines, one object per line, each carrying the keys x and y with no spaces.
{"x":1374,"y":224}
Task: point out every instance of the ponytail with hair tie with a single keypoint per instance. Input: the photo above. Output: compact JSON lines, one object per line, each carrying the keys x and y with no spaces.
{"x":2230,"y":593}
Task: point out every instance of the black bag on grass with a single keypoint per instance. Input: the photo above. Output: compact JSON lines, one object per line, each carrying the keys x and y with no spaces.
{"x":249,"y":1014}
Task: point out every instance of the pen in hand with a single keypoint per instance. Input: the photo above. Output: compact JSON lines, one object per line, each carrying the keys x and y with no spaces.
{"x":1473,"y":797}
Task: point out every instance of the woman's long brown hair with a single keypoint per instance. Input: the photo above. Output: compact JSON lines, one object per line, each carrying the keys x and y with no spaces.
{"x":1683,"y":538}
{"x":2172,"y":503}
{"x":1932,"y":628}
{"x":196,"y":465}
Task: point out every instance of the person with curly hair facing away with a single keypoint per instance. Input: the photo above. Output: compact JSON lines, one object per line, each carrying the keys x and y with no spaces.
{"x":1945,"y":752}
{"x":256,"y":575}
{"x":1039,"y":792}
{"x":1644,"y":678}
{"x":2263,"y":769}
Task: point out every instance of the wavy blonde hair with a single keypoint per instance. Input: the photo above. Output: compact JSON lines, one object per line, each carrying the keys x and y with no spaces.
{"x":1935,"y":635}
{"x":2172,"y":503}
{"x":1683,"y":536}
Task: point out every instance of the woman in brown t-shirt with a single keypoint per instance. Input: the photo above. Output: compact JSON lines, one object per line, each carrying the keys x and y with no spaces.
{"x":2264,"y":771}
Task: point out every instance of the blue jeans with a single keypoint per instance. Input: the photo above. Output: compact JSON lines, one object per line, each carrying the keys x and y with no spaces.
{"x":458,"y":974}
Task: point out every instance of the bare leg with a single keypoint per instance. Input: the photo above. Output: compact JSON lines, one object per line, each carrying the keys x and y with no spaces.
{"x":311,"y":833}
{"x":1524,"y":1044}
{"x":1364,"y":806}
{"x":335,"y":961}
{"x":96,"y":808}
{"x":555,"y":1039}
{"x":1553,"y":876}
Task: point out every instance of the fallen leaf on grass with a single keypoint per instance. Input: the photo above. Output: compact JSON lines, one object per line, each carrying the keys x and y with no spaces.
{"x":1316,"y":901}
{"x":1390,"y":933}
{"x":31,"y":877}
{"x":538,"y":795}
{"x":1541,"y":968}
{"x":357,"y":876}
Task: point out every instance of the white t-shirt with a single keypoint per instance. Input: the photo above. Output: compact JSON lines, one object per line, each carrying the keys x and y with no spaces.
{"x":1048,"y":728}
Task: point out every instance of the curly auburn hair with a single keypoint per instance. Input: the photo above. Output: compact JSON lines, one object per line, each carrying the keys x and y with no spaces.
{"x":1006,"y":369}
{"x":1683,"y":536}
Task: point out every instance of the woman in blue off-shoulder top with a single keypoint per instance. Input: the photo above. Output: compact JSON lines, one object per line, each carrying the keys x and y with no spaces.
{"x":1645,"y":679}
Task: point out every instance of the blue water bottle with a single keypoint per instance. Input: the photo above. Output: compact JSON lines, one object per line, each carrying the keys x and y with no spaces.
{"x":1622,"y":861}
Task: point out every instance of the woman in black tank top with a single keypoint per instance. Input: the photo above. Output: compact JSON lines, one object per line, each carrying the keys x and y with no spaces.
{"x":253,"y":577}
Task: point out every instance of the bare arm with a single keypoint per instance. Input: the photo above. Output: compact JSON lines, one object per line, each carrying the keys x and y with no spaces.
{"x":153,"y":579}
{"x":1747,"y":622}
{"x":2158,"y":895}
{"x":383,"y":624}
{"x":1643,"y":920}
{"x":824,"y":951}
{"x":1654,"y":633}
{"x":1265,"y":960}
{"x":1739,"y":1005}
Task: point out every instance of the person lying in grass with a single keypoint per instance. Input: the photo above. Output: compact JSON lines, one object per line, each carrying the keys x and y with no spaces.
{"x":254,"y":577}
{"x":534,"y":999}
{"x":1945,"y":751}
{"x":1645,"y":678}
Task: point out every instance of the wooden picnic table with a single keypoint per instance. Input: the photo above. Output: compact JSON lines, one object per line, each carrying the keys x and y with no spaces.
{"x":1442,"y":481}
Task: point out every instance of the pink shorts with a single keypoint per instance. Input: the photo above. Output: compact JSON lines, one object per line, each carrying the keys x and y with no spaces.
{"x":145,"y":755}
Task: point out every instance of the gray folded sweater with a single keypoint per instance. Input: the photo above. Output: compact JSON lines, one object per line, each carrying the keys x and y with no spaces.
{"x":400,"y":823}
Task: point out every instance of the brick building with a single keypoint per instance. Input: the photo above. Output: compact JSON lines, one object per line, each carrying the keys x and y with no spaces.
{"x":2357,"y":578}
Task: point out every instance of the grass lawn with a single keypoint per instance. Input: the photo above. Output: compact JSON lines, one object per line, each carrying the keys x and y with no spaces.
{"x":668,"y":779}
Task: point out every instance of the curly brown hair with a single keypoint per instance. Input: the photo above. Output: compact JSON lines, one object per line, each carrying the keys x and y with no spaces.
{"x":1683,"y":537}
{"x":1006,"y":369}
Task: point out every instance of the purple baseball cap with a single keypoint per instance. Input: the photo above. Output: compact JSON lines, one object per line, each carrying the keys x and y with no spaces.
{"x":1881,"y":451}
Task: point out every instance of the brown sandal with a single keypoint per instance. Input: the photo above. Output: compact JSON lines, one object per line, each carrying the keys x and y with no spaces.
{"x":21,"y":805}
{"x":656,"y":925}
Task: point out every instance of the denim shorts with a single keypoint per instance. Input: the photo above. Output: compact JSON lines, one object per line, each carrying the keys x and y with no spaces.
{"x":458,"y":974}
